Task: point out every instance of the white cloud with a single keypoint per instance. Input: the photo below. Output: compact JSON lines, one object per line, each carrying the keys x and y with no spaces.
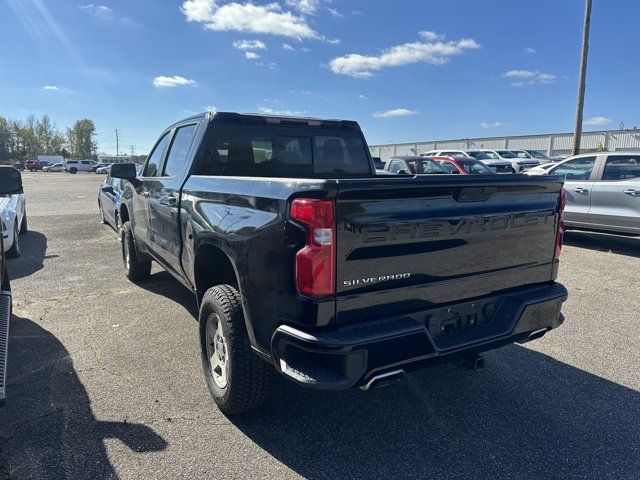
{"x":247,"y":17}
{"x":431,"y":50}
{"x":249,"y":45}
{"x":305,"y":49}
{"x":530,"y":51}
{"x":307,"y":7}
{"x":529,"y":77}
{"x":286,"y":46}
{"x":335,"y":13}
{"x":491,"y":125}
{"x":251,"y":55}
{"x":107,"y":14}
{"x":101,"y":12}
{"x":396,"y":112}
{"x":598,"y":121}
{"x":51,"y":87}
{"x":271,"y":111}
{"x":362,"y":97}
{"x":163,"y":81}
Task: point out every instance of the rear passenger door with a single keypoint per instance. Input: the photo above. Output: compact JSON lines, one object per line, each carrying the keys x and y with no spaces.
{"x":615,"y":197}
{"x":165,"y":196}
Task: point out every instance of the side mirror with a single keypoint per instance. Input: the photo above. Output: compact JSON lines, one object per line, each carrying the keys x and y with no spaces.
{"x":107,"y":189}
{"x":126,"y":171}
{"x":10,"y":180}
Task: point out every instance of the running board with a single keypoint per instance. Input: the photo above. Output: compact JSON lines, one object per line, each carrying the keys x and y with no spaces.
{"x":5,"y":314}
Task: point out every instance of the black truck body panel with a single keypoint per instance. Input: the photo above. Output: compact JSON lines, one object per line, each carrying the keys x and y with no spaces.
{"x":412,"y":253}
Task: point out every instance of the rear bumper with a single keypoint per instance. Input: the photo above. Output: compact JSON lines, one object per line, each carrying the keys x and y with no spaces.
{"x":353,"y":354}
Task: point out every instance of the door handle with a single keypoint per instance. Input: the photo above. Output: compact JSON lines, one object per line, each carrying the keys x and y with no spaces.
{"x":581,"y":190}
{"x":146,"y":194}
{"x":632,"y":192}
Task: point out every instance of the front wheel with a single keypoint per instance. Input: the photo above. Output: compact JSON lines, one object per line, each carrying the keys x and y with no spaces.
{"x":73,"y":171}
{"x":237,"y":378}
{"x":102,"y":219}
{"x":135,"y":269}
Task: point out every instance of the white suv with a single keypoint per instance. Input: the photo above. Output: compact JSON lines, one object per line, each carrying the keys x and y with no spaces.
{"x":75,"y":166}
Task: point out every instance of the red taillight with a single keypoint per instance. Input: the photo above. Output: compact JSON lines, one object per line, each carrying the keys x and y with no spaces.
{"x":315,"y":263}
{"x":560,"y":233}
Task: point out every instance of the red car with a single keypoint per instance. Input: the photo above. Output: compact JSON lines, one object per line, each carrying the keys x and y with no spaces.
{"x":35,"y":166}
{"x":464,"y":165}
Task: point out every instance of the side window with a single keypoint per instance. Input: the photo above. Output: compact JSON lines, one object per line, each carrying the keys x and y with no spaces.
{"x":177,"y":156}
{"x":448,"y":166}
{"x":395,"y":166}
{"x":576,"y":169}
{"x":622,"y":167}
{"x":522,"y":155}
{"x":152,"y":168}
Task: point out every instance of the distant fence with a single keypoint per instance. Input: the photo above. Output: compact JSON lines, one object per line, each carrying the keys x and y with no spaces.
{"x":552,"y":144}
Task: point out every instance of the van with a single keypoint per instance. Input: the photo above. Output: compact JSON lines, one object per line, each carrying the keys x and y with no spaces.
{"x":75,"y":166}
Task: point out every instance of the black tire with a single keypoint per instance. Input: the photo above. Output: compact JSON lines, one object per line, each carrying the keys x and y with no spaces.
{"x":135,"y":269}
{"x":24,"y":228}
{"x":73,"y":171}
{"x":16,"y":249}
{"x":102,"y":219}
{"x":247,"y":376}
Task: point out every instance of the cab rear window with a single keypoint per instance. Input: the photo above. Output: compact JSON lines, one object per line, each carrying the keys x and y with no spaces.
{"x":276,"y":151}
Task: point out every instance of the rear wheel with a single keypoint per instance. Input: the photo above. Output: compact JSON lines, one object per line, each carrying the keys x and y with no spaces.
{"x":15,"y":251}
{"x":73,"y":170}
{"x":237,"y":378}
{"x":135,"y":269}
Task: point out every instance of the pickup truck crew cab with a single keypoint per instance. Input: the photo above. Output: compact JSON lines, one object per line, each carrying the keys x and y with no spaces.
{"x":10,"y":184}
{"x":303,"y":260}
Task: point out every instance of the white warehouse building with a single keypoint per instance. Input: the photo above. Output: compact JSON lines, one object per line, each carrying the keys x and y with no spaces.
{"x":552,"y":144}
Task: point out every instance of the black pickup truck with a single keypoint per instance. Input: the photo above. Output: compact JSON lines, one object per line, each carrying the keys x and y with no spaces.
{"x":303,"y":260}
{"x":10,"y":184}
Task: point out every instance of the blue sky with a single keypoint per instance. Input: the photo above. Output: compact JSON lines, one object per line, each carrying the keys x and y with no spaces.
{"x":405,"y":70}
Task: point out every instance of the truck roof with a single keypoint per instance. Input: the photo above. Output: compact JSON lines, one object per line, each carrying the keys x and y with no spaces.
{"x":264,"y":119}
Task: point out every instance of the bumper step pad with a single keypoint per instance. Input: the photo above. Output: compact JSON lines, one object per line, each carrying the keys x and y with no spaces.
{"x":5,"y":313}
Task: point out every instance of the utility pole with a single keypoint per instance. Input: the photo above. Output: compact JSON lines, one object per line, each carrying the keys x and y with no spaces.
{"x":133,"y":150}
{"x":117,"y":144}
{"x":577,"y":135}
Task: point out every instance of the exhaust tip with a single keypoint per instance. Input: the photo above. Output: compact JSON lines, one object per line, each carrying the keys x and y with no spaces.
{"x":383,"y":379}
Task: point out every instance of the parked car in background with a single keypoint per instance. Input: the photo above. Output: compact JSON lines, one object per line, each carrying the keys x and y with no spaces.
{"x":34,"y":166}
{"x":97,"y":166}
{"x":414,"y":165}
{"x":541,"y":169}
{"x":10,"y":184}
{"x":75,"y":166}
{"x":13,"y":214}
{"x":518,"y":165}
{"x":500,"y":166}
{"x":104,"y":169}
{"x":603,"y":191}
{"x":302,"y":260}
{"x":56,"y":167}
{"x":18,"y":166}
{"x":533,"y":154}
{"x":377,"y":161}
{"x":109,"y":199}
{"x":464,"y":166}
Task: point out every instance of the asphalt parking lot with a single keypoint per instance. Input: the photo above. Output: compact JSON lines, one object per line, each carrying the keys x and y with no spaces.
{"x":105,"y":379}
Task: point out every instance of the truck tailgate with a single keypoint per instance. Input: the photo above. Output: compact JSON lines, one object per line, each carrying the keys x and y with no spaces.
{"x":404,"y":244}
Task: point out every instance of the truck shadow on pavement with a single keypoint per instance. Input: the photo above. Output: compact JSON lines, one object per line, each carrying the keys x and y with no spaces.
{"x":34,"y":252}
{"x":603,"y":242}
{"x":162,"y":283}
{"x":525,"y":416}
{"x":47,"y":428}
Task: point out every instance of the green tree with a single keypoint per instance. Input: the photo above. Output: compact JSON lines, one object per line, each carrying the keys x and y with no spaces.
{"x":81,"y":139}
{"x":5,"y":141}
